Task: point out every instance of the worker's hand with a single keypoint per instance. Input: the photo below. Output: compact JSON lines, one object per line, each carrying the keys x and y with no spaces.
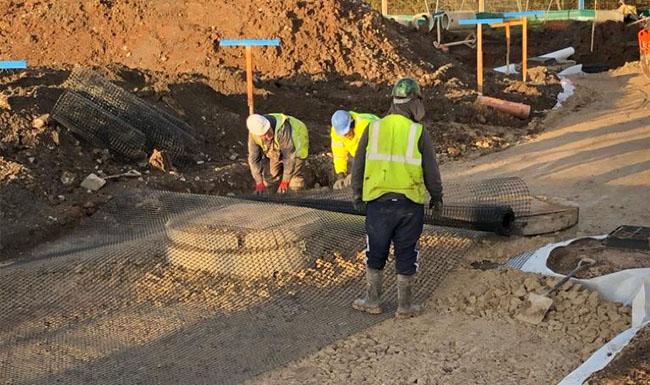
{"x":260,"y":188}
{"x":360,"y":205}
{"x":435,"y":204}
{"x":348,"y":181}
{"x":340,"y":181}
{"x":284,"y":186}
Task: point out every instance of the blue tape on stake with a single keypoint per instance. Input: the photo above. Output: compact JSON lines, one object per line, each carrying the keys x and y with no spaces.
{"x":523,"y":14}
{"x":479,"y":21}
{"x":248,"y":42}
{"x":13,"y":65}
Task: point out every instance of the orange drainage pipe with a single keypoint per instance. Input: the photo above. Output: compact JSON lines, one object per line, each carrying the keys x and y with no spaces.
{"x":518,"y":110}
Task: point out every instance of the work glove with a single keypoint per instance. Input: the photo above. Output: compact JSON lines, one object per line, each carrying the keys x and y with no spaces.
{"x":348,"y":181}
{"x":260,"y":188}
{"x":435,"y":204}
{"x":359,"y":205}
{"x":284,"y":186}
{"x":340,"y":181}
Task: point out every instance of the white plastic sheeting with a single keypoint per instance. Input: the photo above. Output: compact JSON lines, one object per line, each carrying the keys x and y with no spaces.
{"x":630,"y":287}
{"x":567,"y":90}
{"x":573,"y":70}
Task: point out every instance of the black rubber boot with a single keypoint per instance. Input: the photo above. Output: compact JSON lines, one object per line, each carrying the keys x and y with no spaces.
{"x":405,"y":306}
{"x":371,"y":302}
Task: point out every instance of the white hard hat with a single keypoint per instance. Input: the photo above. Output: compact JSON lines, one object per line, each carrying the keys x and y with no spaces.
{"x":258,"y":124}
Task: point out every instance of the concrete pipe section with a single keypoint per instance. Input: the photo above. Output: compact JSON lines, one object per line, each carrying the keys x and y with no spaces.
{"x":451,"y":20}
{"x":248,"y":239}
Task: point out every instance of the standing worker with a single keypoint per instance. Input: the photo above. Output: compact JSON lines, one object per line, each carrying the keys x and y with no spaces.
{"x":282,"y":139}
{"x":394,"y":166}
{"x":347,"y":128}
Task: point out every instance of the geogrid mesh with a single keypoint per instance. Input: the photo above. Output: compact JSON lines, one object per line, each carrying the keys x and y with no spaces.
{"x":161,"y":130}
{"x":161,"y":287}
{"x":99,"y":128}
{"x":485,"y":205}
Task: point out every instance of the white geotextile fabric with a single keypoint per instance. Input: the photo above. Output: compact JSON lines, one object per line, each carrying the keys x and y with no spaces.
{"x":630,"y":287}
{"x":567,"y":91}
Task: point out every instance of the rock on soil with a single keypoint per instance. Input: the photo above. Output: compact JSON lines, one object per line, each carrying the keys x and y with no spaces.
{"x":580,"y":313}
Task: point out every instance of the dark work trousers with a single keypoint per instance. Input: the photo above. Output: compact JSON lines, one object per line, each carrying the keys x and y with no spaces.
{"x":395,"y":220}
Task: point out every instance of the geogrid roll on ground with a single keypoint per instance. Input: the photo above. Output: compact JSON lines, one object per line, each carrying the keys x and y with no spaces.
{"x":162,"y":130}
{"x":99,"y":127}
{"x":486,"y":205}
{"x":161,"y":287}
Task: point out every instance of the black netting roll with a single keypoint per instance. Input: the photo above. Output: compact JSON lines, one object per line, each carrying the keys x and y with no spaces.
{"x":99,"y":127}
{"x":163,"y":131}
{"x":491,"y":218}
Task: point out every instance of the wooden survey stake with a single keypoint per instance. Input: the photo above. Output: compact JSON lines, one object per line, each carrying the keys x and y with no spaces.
{"x":249,"y":44}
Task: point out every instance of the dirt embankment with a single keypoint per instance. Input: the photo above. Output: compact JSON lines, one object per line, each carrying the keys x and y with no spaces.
{"x":318,"y":38}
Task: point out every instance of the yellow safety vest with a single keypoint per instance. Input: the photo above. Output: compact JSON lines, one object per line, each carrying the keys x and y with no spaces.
{"x":393,"y":160}
{"x":299,"y":135}
{"x":343,"y":147}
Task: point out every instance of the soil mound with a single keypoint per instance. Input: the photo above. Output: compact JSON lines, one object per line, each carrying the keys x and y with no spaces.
{"x":319,"y":38}
{"x":580,"y":313}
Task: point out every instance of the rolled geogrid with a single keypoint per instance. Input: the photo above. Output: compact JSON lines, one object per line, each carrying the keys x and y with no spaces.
{"x":489,"y":218}
{"x":99,"y":127}
{"x":490,"y":205}
{"x":163,"y":131}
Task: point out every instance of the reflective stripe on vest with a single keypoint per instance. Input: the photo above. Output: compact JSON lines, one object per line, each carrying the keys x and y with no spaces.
{"x":373,"y":153}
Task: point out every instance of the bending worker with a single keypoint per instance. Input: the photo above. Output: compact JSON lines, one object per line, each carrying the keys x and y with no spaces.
{"x":282,"y":139}
{"x":395,"y":165}
{"x":347,"y":128}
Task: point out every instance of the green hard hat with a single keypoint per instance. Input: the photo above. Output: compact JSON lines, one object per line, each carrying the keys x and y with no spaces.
{"x":406,"y":88}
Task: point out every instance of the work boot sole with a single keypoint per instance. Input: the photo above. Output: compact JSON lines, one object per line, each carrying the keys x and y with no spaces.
{"x":376,"y":309}
{"x":409,"y":314}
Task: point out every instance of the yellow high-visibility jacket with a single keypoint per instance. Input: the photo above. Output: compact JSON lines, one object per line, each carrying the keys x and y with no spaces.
{"x":393,"y":160}
{"x":343,"y":147}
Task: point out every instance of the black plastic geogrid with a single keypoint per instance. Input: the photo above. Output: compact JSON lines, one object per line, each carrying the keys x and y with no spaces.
{"x":99,"y":128}
{"x":488,"y":205}
{"x":166,"y":288}
{"x":126,"y":111}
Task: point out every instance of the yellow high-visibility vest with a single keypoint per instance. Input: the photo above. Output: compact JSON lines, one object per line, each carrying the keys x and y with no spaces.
{"x":343,"y":147}
{"x":299,"y":134}
{"x":393,"y":160}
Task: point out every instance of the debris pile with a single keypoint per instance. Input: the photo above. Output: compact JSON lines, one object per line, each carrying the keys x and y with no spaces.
{"x":580,"y":313}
